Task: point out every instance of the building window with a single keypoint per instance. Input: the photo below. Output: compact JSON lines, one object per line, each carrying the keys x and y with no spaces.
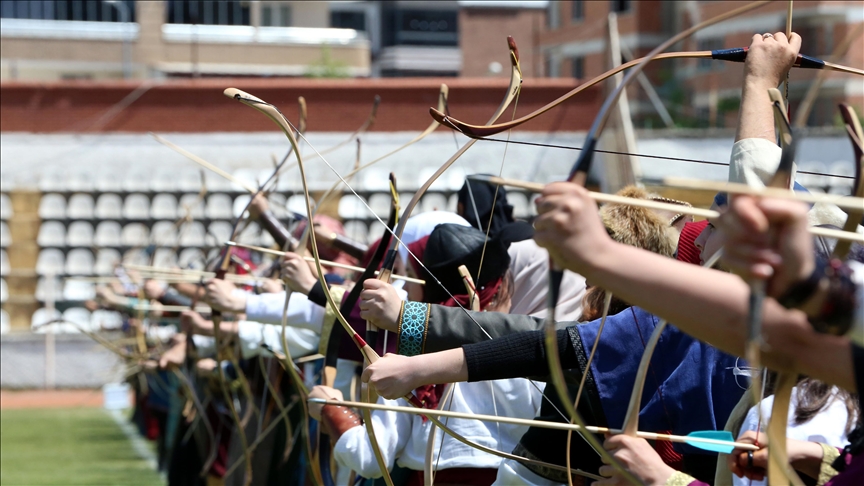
{"x":348,"y":20}
{"x":577,"y":67}
{"x":208,"y":12}
{"x":706,"y":64}
{"x":85,"y":10}
{"x":420,"y":27}
{"x":577,"y":10}
{"x":275,"y":15}
{"x":620,"y":6}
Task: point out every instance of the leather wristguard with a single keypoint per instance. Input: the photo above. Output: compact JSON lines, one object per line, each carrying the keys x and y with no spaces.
{"x":337,"y":420}
{"x":835,"y":313}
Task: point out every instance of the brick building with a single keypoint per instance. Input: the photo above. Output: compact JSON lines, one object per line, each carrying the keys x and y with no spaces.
{"x":571,"y":39}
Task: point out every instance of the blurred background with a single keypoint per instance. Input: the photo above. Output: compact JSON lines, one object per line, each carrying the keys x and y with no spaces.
{"x":83,"y":84}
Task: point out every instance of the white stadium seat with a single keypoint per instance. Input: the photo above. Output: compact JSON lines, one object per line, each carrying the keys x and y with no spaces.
{"x":192,"y":234}
{"x":380,"y":203}
{"x":164,"y":258}
{"x":4,"y":263}
{"x":219,"y":206}
{"x":51,"y":233}
{"x":51,"y":261}
{"x":43,"y":316}
{"x":433,"y":202}
{"x":79,"y":262}
{"x":109,"y":206}
{"x":108,"y":234}
{"x":136,"y":206}
{"x":357,"y":230}
{"x":80,"y":233}
{"x":78,"y":290}
{"x":5,"y":322}
{"x":164,"y":233}
{"x":135,"y":234}
{"x":80,"y":206}
{"x":220,"y":230}
{"x":45,"y":290}
{"x":5,"y":207}
{"x":52,"y":206}
{"x":5,"y":235}
{"x":4,"y":291}
{"x":79,"y":316}
{"x":164,"y":207}
{"x":105,"y":319}
{"x":106,"y":260}
{"x":351,"y":208}
{"x":190,"y":258}
{"x":194,"y":205}
{"x":239,"y":204}
{"x":109,"y":180}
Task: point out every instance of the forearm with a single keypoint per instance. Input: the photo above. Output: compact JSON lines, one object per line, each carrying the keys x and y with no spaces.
{"x":518,"y":355}
{"x":713,"y":307}
{"x":756,"y":115}
{"x":452,"y":327}
{"x":277,"y":230}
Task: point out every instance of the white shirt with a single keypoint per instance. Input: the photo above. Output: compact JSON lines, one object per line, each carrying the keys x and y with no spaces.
{"x":267,"y":308}
{"x":403,"y":437}
{"x":301,"y":342}
{"x":827,"y":427}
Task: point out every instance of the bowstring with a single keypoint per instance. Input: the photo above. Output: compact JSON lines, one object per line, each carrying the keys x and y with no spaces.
{"x":647,"y":156}
{"x":417,"y":259}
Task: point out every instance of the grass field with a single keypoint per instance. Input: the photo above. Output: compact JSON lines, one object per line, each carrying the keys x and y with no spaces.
{"x":79,"y":446}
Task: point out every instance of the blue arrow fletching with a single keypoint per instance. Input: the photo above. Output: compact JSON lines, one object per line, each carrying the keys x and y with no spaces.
{"x":723,"y":435}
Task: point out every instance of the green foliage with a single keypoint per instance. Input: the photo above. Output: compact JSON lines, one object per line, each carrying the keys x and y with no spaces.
{"x":78,"y":446}
{"x":327,"y":67}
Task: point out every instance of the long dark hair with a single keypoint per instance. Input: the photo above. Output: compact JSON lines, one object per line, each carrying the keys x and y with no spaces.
{"x":814,"y":396}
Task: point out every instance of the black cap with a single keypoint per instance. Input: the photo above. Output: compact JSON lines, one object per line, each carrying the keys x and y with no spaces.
{"x":452,"y":245}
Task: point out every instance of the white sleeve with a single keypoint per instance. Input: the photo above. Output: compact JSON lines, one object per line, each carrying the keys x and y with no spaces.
{"x":267,"y":308}
{"x":301,"y":342}
{"x":754,"y":161}
{"x":206,"y":345}
{"x":856,"y":334}
{"x":393,"y":430}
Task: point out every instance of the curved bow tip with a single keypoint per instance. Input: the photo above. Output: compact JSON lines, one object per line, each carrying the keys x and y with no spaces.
{"x":438,"y":115}
{"x":511,"y":44}
{"x":241,"y":95}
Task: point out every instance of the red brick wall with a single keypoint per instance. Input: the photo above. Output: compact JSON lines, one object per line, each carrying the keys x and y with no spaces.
{"x":333,"y":105}
{"x":482,"y":33}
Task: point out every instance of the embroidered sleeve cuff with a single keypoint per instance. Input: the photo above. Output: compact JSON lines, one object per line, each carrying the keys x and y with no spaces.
{"x":413,"y":327}
{"x":826,"y":471}
{"x":678,"y":478}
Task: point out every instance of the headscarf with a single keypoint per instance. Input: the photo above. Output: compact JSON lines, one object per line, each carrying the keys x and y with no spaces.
{"x":478,"y":200}
{"x":422,"y":225}
{"x":530,"y":267}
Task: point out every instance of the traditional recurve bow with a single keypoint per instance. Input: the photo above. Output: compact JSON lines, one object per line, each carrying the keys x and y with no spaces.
{"x":369,"y":354}
{"x":738,"y":54}
{"x":579,"y":175}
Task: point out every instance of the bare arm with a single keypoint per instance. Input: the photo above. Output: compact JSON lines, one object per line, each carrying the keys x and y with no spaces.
{"x":768,"y":61}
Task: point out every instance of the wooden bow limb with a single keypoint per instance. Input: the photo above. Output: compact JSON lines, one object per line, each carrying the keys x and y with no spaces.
{"x":369,"y":354}
{"x":738,"y":54}
{"x":442,"y":100}
{"x":631,"y":419}
{"x":532,"y":422}
{"x":276,"y":116}
{"x":778,"y":459}
{"x":579,"y":175}
{"x":323,"y":262}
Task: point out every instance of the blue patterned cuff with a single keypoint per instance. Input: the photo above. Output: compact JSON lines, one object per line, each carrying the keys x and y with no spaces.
{"x":412,"y":328}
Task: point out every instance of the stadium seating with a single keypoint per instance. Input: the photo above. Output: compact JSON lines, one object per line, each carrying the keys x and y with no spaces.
{"x":136,"y":206}
{"x":5,"y":207}
{"x":80,"y":206}
{"x":79,"y":262}
{"x":109,"y":206}
{"x":164,"y":207}
{"x":80,"y":233}
{"x":5,"y":235}
{"x":52,"y":206}
{"x":108,"y":234}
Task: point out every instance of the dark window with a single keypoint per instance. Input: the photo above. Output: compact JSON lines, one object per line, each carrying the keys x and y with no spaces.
{"x":577,"y":67}
{"x":620,"y":6}
{"x":706,"y":64}
{"x":348,"y":20}
{"x":86,"y":10}
{"x":208,"y":12}
{"x":274,"y":15}
{"x":577,"y":11}
{"x":420,"y":27}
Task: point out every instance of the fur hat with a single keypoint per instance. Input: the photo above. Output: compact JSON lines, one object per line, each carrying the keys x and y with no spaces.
{"x":639,"y":227}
